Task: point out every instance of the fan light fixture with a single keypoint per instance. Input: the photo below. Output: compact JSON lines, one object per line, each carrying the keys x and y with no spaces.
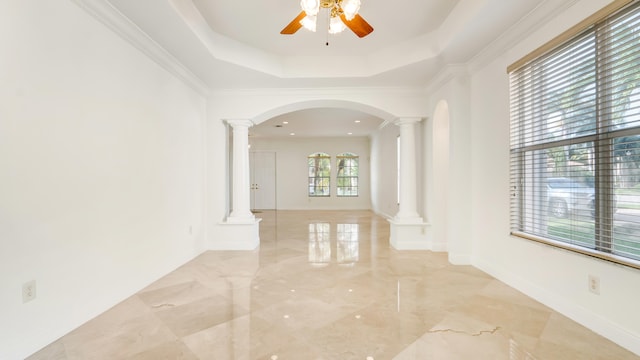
{"x":348,"y":8}
{"x":310,"y":7}
{"x":342,"y":14}
{"x":309,"y":22}
{"x":336,"y":25}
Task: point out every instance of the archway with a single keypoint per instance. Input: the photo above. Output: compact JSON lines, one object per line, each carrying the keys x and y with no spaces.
{"x":258,"y":107}
{"x":294,"y":131}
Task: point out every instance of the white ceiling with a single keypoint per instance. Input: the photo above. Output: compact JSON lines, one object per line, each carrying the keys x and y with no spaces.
{"x":235,"y":44}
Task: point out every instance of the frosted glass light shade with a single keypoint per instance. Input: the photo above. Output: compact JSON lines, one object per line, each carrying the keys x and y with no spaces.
{"x":350,"y":8}
{"x":309,"y":22}
{"x":336,"y":25}
{"x":310,"y":7}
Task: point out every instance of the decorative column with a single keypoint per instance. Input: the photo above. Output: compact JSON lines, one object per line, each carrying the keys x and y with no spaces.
{"x":241,"y":229}
{"x":241,"y":201}
{"x":408,"y":230}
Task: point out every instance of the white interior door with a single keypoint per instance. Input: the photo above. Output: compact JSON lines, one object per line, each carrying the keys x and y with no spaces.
{"x":263,"y":180}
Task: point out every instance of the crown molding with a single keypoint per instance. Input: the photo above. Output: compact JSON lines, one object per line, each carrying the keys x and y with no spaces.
{"x":448,"y":73}
{"x":324,"y":91}
{"x":509,"y":38}
{"x":529,"y":23}
{"x":113,"y":19}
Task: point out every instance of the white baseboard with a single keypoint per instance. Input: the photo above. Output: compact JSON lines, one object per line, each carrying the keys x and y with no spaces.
{"x":585,"y":317}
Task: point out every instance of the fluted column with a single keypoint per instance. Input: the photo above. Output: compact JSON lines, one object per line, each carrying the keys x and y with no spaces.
{"x":240,"y":209}
{"x":407,"y":211}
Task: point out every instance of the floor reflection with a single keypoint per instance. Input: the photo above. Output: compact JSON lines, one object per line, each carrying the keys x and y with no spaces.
{"x":347,"y":244}
{"x":320,"y":244}
{"x":293,"y":299}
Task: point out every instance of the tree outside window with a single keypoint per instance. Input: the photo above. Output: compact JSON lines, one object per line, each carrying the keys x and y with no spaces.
{"x":347,"y":176}
{"x":319,"y":175}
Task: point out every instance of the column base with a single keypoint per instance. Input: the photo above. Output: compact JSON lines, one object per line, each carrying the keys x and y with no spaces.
{"x":235,"y":234}
{"x":408,"y":219}
{"x":247,"y":218}
{"x":410,"y":235}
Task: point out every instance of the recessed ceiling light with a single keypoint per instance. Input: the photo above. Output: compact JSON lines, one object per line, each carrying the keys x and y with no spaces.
{"x":357,"y":121}
{"x":349,"y":133}
{"x":292,"y":134}
{"x":285,"y":122}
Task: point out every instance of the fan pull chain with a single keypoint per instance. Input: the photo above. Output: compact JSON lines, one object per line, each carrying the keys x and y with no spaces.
{"x":328,"y":26}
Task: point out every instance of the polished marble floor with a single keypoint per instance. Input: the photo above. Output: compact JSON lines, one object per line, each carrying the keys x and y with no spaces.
{"x":326,"y":285}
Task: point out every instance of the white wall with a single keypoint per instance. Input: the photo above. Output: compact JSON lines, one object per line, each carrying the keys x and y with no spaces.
{"x":555,"y":277}
{"x":436,"y":175}
{"x":101,"y":171}
{"x":384,"y":165}
{"x":292,"y":171}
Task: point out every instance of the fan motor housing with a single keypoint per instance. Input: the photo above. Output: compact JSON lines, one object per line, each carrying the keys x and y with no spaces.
{"x":325,"y":4}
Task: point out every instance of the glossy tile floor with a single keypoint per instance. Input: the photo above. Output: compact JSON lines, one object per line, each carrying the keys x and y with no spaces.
{"x":326,"y":285}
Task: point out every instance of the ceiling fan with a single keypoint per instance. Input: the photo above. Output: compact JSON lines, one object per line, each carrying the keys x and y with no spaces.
{"x":343,"y":14}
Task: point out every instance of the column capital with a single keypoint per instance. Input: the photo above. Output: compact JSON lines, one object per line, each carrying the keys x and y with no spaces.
{"x":240,"y":123}
{"x":407,"y":120}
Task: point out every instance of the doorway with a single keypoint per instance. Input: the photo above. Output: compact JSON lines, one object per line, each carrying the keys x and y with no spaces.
{"x":262,"y":166}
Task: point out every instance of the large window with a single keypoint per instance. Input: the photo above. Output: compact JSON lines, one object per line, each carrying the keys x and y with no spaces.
{"x":347,"y":177}
{"x":575,"y":141}
{"x":319,"y":175}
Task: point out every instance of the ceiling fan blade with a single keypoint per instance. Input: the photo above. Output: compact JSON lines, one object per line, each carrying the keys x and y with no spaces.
{"x":294,"y":25}
{"x":358,"y":25}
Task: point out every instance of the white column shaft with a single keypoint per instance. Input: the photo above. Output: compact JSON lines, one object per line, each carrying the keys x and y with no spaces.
{"x":241,"y":191}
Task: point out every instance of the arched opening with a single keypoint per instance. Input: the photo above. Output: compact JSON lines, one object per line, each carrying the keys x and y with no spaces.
{"x":290,"y":158}
{"x":338,"y":129}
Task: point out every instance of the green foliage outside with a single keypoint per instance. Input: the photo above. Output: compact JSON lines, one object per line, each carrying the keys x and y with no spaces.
{"x":582,"y":232}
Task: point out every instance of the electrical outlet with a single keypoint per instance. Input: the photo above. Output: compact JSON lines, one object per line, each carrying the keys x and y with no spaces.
{"x":594,"y":284}
{"x":28,"y":291}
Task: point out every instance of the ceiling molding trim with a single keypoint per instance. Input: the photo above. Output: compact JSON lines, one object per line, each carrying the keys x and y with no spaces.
{"x":531,"y":22}
{"x":224,"y":48}
{"x":411,"y":51}
{"x":112,"y":18}
{"x":448,"y":73}
{"x":328,"y":91}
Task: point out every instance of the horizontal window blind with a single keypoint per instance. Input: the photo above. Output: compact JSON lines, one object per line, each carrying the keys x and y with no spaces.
{"x":575,"y":141}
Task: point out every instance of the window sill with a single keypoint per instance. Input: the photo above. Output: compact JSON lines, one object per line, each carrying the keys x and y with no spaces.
{"x":580,"y":250}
